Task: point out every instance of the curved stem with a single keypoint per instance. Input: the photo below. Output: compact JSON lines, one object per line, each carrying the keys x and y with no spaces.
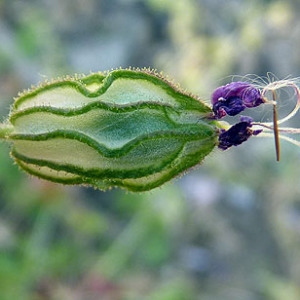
{"x":281,"y":84}
{"x":286,"y":138}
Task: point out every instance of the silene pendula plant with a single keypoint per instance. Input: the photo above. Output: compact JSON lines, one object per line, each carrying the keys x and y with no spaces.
{"x":131,"y":128}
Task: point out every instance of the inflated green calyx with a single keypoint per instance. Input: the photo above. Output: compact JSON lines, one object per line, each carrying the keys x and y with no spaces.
{"x":126,"y":128}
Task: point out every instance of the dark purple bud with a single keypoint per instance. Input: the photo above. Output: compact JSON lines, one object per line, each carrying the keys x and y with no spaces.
{"x":237,"y":134}
{"x":233,"y":98}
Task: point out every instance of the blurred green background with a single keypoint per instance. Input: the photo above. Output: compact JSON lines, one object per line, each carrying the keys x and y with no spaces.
{"x":228,"y":230}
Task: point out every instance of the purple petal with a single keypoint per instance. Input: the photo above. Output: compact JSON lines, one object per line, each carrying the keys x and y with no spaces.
{"x":234,"y":97}
{"x":231,"y":106}
{"x":246,"y":119}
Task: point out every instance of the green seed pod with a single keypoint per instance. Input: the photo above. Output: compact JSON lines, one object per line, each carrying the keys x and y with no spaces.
{"x":126,"y":128}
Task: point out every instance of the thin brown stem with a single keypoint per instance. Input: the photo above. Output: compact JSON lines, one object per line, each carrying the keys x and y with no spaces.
{"x":275,"y":127}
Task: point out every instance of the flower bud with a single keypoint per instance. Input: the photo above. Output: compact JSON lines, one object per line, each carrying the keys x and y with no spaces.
{"x":127,"y":128}
{"x":237,"y":134}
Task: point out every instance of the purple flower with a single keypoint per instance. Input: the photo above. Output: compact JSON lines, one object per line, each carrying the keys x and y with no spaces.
{"x":233,"y":98}
{"x":237,"y":134}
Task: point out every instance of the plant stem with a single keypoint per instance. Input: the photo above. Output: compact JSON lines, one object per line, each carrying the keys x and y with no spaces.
{"x":275,"y":127}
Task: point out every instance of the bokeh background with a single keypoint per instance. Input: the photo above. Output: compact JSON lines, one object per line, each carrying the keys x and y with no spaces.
{"x":228,"y":230}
